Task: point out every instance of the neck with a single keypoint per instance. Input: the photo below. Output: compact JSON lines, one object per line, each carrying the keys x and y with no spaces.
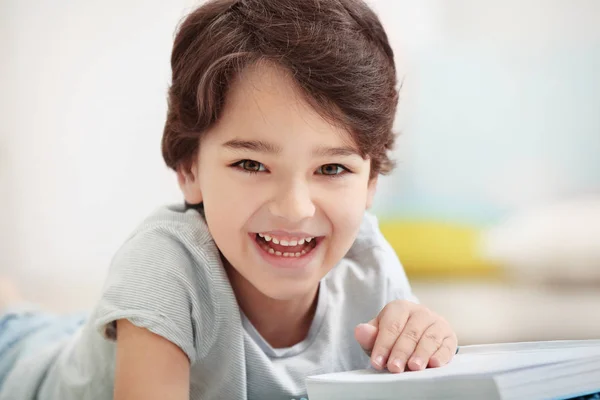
{"x":282,"y":323}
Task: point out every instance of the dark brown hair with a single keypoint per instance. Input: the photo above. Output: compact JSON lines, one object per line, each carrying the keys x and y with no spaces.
{"x":336,"y":50}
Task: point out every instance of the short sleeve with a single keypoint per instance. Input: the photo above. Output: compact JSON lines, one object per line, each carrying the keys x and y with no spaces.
{"x":150,"y":283}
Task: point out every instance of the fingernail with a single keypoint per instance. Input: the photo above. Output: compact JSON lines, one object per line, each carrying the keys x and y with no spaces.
{"x":417,"y":362}
{"x":398,"y":365}
{"x":379,"y":361}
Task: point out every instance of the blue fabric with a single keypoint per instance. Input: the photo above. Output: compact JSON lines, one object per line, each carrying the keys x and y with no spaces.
{"x":24,"y":332}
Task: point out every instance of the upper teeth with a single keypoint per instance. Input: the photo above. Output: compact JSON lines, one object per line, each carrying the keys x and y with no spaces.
{"x":284,"y":242}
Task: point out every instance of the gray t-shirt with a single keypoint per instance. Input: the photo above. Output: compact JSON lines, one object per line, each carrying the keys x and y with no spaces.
{"x":168,"y":278}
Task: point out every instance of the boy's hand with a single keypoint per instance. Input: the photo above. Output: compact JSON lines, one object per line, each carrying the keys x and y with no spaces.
{"x":405,"y":336}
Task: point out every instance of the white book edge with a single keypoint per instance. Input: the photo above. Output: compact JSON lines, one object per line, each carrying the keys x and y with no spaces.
{"x":370,"y":375}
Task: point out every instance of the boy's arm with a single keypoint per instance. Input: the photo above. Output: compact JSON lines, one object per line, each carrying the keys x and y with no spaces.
{"x":148,"y":366}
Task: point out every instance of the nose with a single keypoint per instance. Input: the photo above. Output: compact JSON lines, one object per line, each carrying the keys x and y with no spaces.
{"x":292,"y":202}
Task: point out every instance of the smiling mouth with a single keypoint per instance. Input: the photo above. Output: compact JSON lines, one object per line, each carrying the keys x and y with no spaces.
{"x":290,"y":250}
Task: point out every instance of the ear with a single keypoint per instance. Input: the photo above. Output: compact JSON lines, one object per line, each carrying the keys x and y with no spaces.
{"x":371,"y":189}
{"x":189,"y":184}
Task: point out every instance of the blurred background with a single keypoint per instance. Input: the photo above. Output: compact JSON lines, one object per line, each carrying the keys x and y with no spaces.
{"x":494,"y":208}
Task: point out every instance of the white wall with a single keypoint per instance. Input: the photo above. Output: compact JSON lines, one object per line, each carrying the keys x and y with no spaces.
{"x":503,"y":108}
{"x":83,"y":104}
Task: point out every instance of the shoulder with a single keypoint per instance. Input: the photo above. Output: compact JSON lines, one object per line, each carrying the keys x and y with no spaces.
{"x":171,"y":251}
{"x":373,"y":263}
{"x":163,"y":278}
{"x":170,"y":233}
{"x":369,"y":234}
{"x":187,"y":226}
{"x":370,"y":245}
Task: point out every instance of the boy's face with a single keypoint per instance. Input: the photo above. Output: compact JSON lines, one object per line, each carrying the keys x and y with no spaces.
{"x":284,"y":191}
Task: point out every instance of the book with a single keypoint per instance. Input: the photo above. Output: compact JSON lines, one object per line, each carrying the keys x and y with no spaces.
{"x":527,"y":370}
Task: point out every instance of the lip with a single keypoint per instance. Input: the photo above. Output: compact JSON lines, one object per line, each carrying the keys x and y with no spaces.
{"x":286,"y":263}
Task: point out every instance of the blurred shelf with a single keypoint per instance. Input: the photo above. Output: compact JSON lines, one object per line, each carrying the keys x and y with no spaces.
{"x":430,"y":249}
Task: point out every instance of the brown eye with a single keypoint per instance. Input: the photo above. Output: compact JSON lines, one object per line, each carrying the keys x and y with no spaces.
{"x":252,"y":166}
{"x":331,"y":169}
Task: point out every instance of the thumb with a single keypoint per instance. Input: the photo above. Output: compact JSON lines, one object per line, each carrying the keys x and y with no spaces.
{"x":365,"y":335}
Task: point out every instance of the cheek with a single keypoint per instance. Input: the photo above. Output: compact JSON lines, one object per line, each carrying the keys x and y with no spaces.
{"x":226,"y":224}
{"x":228,"y":193}
{"x":347,"y":203}
{"x":345,"y":211}
{"x":228,"y":206}
{"x":346,"y":219}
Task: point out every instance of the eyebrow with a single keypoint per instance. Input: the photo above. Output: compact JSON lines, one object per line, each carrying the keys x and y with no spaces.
{"x":260,"y":146}
{"x":253,"y":145}
{"x":335,"y":152}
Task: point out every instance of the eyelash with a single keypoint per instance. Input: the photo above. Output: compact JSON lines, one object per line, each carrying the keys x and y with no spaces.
{"x":239,"y":165}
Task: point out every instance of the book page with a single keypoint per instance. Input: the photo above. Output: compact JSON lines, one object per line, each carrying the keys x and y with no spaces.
{"x":484,"y":359}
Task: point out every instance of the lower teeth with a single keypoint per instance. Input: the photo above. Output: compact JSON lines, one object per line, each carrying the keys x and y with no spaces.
{"x":286,"y":254}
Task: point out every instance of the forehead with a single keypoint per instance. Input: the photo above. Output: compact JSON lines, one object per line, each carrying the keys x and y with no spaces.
{"x":264,"y":99}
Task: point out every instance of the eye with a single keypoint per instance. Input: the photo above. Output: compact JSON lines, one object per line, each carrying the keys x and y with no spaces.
{"x":251,"y":166}
{"x":331,"y":169}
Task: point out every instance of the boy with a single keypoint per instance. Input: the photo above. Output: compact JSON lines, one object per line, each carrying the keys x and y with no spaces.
{"x":279,"y":123}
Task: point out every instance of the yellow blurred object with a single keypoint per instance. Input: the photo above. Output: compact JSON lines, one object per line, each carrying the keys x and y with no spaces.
{"x":433,"y":249}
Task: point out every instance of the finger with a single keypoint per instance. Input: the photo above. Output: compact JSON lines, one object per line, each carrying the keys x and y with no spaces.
{"x":391,"y":322}
{"x":408,"y":339}
{"x":365,"y":335}
{"x":430,"y":343}
{"x":445,"y":353}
